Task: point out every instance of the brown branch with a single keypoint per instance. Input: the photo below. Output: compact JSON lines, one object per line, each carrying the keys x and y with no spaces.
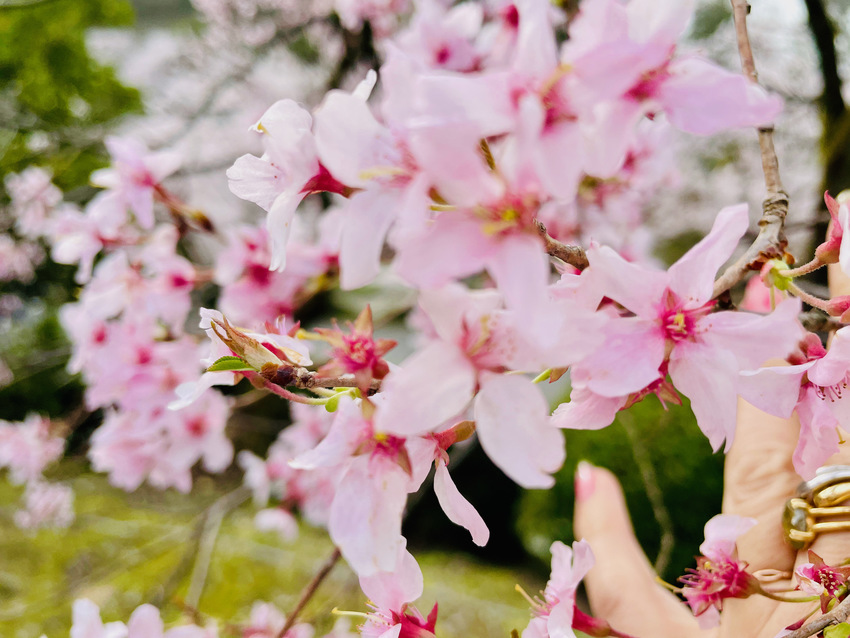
{"x":309,"y":590}
{"x":572,"y":255}
{"x":838,"y":615}
{"x":304,"y":379}
{"x":770,"y":242}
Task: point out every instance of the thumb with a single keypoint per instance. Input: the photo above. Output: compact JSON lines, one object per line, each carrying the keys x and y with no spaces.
{"x":622,"y":586}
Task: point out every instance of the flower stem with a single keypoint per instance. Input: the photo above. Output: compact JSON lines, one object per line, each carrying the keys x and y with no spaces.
{"x":805,"y":269}
{"x":815,"y":302}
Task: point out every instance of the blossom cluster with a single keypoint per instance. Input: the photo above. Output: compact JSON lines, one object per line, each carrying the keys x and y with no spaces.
{"x":491,"y":144}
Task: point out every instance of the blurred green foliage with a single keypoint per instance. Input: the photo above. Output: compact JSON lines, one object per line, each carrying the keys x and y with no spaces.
{"x":127,"y":549}
{"x":55,"y":100}
{"x":657,"y":454}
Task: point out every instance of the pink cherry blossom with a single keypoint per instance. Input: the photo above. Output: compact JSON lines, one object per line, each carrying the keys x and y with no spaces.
{"x":553,"y":616}
{"x":672,"y":329}
{"x":814,"y":385}
{"x":816,"y":578}
{"x":135,"y":176}
{"x":719,"y":575}
{"x":46,"y":505}
{"x":33,"y":198}
{"x":27,"y":448}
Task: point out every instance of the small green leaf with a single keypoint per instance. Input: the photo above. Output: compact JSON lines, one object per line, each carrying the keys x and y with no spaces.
{"x":230,"y":364}
{"x":842,"y":630}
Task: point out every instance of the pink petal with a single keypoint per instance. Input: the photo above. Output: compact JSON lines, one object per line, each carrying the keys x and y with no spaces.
{"x":279,"y":225}
{"x":391,"y":590}
{"x":349,"y":138}
{"x":753,"y":339}
{"x":368,"y":215}
{"x":457,"y":508}
{"x":627,"y":362}
{"x":365,"y":517}
{"x":773,"y":390}
{"x":536,"y":53}
{"x":457,"y":98}
{"x":833,"y":367}
{"x":692,"y":277}
{"x":520,"y":268}
{"x":662,"y":21}
{"x":145,"y":622}
{"x":708,"y":378}
{"x":704,"y":99}
{"x":434,"y":385}
{"x":452,"y":247}
{"x":256,"y":180}
{"x":513,"y":426}
{"x":721,"y":532}
{"x":636,"y":287}
{"x":818,"y":436}
{"x":587,"y":410}
{"x":448,"y":307}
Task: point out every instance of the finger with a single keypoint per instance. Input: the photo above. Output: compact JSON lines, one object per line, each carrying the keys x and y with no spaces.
{"x":759,"y":478}
{"x":621,"y":586}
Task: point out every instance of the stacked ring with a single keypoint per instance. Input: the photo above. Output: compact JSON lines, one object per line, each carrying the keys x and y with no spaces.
{"x":817,"y":499}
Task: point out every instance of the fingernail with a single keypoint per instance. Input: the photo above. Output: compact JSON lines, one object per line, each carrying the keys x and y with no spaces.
{"x":585,"y":481}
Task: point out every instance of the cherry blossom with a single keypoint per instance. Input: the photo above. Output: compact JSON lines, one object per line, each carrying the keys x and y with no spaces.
{"x":719,"y":575}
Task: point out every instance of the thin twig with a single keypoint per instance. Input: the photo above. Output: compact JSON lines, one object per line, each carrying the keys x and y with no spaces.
{"x":653,"y":493}
{"x":838,"y":615}
{"x":771,"y":241}
{"x":304,"y":379}
{"x":572,"y":255}
{"x":309,"y":590}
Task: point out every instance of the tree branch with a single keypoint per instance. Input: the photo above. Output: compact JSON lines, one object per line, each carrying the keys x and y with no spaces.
{"x":304,"y":379}
{"x":309,"y":590}
{"x":770,"y":242}
{"x":572,"y":255}
{"x":838,"y":615}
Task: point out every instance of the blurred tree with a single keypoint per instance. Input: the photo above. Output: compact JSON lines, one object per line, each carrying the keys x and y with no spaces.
{"x":55,"y":100}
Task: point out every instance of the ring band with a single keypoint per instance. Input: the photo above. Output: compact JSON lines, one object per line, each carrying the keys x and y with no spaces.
{"x":817,"y":499}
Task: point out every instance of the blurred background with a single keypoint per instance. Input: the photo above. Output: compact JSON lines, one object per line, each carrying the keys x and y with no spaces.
{"x":193,"y":77}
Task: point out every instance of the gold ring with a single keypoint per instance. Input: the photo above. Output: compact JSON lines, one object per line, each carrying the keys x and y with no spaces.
{"x":801,"y":525}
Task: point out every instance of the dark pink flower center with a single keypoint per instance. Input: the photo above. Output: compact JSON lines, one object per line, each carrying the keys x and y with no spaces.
{"x":358,"y":353}
{"x":677,"y":322}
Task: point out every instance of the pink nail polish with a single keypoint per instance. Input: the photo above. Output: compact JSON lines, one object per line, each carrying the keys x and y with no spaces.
{"x":585,"y":481}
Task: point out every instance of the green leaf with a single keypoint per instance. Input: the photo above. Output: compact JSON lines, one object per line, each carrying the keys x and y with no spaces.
{"x":230,"y":364}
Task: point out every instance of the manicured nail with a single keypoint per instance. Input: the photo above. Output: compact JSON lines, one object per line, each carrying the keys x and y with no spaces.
{"x":585,"y":481}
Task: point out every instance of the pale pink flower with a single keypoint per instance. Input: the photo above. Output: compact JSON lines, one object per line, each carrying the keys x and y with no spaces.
{"x":440,"y":37}
{"x":390,"y":594}
{"x":288,"y":170}
{"x":478,"y":341}
{"x":815,"y":386}
{"x":266,"y":621}
{"x":674,"y":330}
{"x":719,"y":575}
{"x":554,"y":615}
{"x":86,"y":622}
{"x":33,"y":198}
{"x":46,"y":505}
{"x":28,"y":447}
{"x":816,"y":578}
{"x":135,"y":176}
